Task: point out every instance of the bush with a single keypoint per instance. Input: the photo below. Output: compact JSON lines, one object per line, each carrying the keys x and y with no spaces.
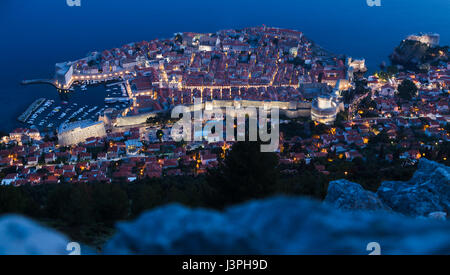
{"x":246,"y":173}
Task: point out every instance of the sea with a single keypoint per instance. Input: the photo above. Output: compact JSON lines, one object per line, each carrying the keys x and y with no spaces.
{"x":36,"y":34}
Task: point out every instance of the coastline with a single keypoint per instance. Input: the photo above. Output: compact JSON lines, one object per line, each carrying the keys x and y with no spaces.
{"x":33,"y":107}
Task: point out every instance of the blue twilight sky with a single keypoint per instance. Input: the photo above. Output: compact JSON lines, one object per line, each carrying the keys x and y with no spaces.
{"x":36,"y":34}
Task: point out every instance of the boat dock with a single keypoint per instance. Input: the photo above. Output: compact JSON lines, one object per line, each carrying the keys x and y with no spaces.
{"x":49,"y":114}
{"x":39,"y":81}
{"x":33,"y":107}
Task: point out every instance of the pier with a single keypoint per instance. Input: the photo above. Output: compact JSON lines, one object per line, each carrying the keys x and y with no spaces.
{"x":80,"y":78}
{"x":33,"y":107}
{"x":40,"y":81}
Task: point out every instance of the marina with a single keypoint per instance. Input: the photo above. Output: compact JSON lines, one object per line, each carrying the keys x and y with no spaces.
{"x":47,"y":114}
{"x":33,"y":107}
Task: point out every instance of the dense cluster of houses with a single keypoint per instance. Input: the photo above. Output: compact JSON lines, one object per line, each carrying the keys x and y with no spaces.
{"x":258,"y":63}
{"x":427,"y":114}
{"x":138,"y":153}
{"x":121,"y":156}
{"x":253,"y":63}
{"x":430,"y":104}
{"x":349,"y":142}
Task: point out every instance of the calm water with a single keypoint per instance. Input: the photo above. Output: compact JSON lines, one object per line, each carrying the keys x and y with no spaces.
{"x":35,"y":34}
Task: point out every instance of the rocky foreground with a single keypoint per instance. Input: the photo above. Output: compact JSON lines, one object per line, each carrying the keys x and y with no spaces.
{"x":426,"y":194}
{"x":278,"y":225}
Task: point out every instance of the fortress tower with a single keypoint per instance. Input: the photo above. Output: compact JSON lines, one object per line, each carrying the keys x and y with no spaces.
{"x":324,"y":109}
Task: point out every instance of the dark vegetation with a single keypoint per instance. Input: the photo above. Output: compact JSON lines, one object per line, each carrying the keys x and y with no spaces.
{"x":360,"y":89}
{"x":407,"y":90}
{"x":88,"y":212}
{"x":244,"y":174}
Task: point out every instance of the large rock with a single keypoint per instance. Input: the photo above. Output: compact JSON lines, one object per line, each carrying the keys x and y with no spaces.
{"x":442,"y":216}
{"x":20,"y":236}
{"x":347,"y":195}
{"x":277,"y":226}
{"x":414,"y":55}
{"x":428,"y":191}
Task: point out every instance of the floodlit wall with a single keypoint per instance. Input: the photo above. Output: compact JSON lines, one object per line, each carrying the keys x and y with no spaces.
{"x":77,"y":132}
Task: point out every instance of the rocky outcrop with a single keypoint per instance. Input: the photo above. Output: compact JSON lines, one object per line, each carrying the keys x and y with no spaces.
{"x":273,"y":226}
{"x":20,"y":236}
{"x":413,"y":54}
{"x":409,"y":53}
{"x":347,"y":195}
{"x":442,"y":216}
{"x":428,"y":191}
{"x":277,"y":226}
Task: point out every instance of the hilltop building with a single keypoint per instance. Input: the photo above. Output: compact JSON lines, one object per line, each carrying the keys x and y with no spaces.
{"x":355,"y":66}
{"x":431,"y":39}
{"x":358,"y":65}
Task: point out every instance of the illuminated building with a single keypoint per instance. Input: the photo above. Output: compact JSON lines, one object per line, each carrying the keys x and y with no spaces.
{"x":80,"y":131}
{"x":324,"y":109}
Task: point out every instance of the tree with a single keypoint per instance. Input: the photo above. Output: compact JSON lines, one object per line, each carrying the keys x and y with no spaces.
{"x":383,"y":75}
{"x":297,"y":61}
{"x":146,"y":196}
{"x":179,"y":38}
{"x":275,"y":41}
{"x":308,"y":182}
{"x":392,"y":70}
{"x":245,"y":173}
{"x":92,"y":63}
{"x":71,"y":204}
{"x":110,"y":203}
{"x":319,"y":79}
{"x":407,"y":89}
{"x":12,"y":200}
{"x":381,"y":138}
{"x":160,"y":135}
